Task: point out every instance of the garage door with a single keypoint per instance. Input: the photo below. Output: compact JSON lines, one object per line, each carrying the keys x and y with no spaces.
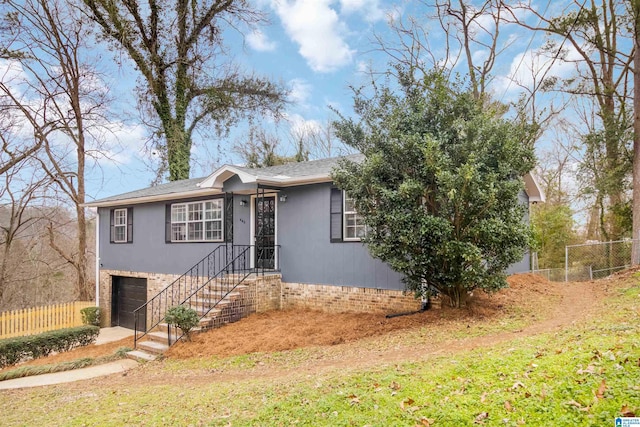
{"x":128,"y":293}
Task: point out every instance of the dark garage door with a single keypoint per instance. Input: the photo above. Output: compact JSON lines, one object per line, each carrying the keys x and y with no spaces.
{"x":128,"y":293}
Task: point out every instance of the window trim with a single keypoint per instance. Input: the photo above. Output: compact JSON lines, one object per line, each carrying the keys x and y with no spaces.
{"x":203,"y":221}
{"x":345,"y":212}
{"x":127,"y":224}
{"x":116,"y":225}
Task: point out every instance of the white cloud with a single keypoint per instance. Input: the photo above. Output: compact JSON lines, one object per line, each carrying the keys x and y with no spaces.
{"x":126,"y":142}
{"x":317,"y":30}
{"x":527,"y":68}
{"x":303,"y":127}
{"x":300,"y":91}
{"x":11,"y":70}
{"x":363,"y":67}
{"x":370,"y":9}
{"x":257,"y":40}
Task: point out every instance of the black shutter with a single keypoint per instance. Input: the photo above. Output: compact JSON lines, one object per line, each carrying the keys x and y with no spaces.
{"x":129,"y":225}
{"x":336,"y":215}
{"x":167,"y":223}
{"x":228,"y":217}
{"x":112,"y":229}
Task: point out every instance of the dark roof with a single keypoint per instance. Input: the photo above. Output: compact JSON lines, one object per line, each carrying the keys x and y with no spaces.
{"x":182,"y":186}
{"x":320,"y":167}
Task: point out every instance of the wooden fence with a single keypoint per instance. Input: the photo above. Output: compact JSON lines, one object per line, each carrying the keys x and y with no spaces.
{"x":41,"y":319}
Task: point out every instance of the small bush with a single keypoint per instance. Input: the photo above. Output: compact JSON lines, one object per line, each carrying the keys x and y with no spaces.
{"x":184,"y":318}
{"x":14,"y":350}
{"x":90,"y":316}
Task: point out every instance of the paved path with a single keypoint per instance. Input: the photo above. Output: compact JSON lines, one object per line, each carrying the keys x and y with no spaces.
{"x":106,"y":335}
{"x":69,"y":376}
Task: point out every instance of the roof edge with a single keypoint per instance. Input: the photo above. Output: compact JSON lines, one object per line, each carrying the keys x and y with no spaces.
{"x":156,"y":198}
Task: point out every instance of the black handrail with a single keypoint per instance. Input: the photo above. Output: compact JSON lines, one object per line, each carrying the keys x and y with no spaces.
{"x":223,"y":264}
{"x":208,"y":296}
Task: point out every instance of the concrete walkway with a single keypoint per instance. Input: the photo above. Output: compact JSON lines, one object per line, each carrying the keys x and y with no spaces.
{"x":106,"y":335}
{"x":69,"y":376}
{"x":113,"y":334}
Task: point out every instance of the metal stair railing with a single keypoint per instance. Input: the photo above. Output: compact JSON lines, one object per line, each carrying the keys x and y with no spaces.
{"x":209,"y":295}
{"x":155,"y":309}
{"x":224,"y":259}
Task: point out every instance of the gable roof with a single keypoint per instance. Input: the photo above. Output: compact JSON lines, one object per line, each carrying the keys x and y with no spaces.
{"x":286,"y":175}
{"x":300,"y":173}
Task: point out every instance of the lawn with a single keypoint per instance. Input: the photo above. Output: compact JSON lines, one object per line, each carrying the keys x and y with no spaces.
{"x":582,"y":372}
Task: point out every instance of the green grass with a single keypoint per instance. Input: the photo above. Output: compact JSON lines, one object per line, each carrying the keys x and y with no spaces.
{"x":26,"y":371}
{"x":585,"y":375}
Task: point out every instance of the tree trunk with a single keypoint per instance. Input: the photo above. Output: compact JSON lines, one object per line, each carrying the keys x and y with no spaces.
{"x":457,"y":296}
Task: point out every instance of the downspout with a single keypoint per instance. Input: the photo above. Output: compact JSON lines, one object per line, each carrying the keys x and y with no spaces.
{"x":97,"y":258}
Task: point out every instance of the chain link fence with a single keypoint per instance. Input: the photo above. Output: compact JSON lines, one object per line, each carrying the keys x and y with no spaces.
{"x":591,"y":261}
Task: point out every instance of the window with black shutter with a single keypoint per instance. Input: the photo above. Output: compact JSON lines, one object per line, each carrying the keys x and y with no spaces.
{"x":121,"y":221}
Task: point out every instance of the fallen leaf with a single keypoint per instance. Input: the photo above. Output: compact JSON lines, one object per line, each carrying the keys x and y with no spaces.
{"x":578,"y":405}
{"x":480,"y":417}
{"x":483,"y":397}
{"x":353,"y":399}
{"x":507,"y":406}
{"x":394,"y":386}
{"x":601,"y":390}
{"x":516,"y":385}
{"x":590,"y":370}
{"x":625,"y":411}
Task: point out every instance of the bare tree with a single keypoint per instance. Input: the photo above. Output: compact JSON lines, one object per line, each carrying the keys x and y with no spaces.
{"x":15,"y":202}
{"x":60,"y":97}
{"x":187,"y":77}
{"x":468,"y":29}
{"x":594,"y":37}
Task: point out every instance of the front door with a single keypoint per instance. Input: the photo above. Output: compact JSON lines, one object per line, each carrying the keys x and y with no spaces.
{"x":265,"y":232}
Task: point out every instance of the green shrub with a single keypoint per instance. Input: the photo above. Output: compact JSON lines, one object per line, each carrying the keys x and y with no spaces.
{"x":184,"y":318}
{"x":90,"y":316}
{"x":14,"y":350}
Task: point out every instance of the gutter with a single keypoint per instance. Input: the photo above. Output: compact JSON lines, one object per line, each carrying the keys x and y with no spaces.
{"x":149,"y":199}
{"x":97,"y":259}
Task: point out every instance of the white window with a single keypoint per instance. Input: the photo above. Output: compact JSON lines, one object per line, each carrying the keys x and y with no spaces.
{"x":197,"y":221}
{"x":119,"y":225}
{"x":354,"y":226}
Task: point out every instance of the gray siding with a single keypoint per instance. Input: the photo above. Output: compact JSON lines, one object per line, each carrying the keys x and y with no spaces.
{"x":148,"y":252}
{"x":525,"y":264}
{"x":306,"y":254}
{"x":235,"y":184}
{"x":241,"y":220}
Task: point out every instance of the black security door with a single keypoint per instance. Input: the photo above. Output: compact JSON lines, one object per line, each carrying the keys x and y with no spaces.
{"x":265,"y":227}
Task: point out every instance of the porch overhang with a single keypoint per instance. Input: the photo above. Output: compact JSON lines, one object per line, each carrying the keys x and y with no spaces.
{"x":533,"y":189}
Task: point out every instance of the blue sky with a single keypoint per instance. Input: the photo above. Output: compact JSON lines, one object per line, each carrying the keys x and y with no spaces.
{"x":316,"y":48}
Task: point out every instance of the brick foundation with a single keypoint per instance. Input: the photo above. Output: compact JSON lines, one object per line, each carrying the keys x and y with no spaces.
{"x":268,"y":292}
{"x":346,"y":298}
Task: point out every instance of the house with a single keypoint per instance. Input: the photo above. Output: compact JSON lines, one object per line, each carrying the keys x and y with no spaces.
{"x":162,"y":245}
